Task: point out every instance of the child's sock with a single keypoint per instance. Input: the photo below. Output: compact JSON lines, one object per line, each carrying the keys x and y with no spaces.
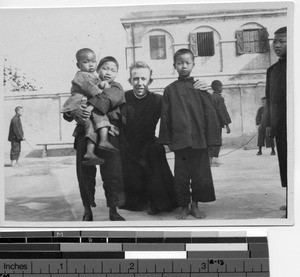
{"x":183,"y":212}
{"x":104,"y":143}
{"x":195,"y":211}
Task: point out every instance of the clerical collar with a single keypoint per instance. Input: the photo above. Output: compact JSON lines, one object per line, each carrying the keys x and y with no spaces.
{"x":140,"y":97}
{"x":186,"y":79}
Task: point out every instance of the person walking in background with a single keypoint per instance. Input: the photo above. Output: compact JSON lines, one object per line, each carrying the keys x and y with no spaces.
{"x":275,"y":118}
{"x":15,"y":136}
{"x":223,"y":118}
{"x":262,"y":139}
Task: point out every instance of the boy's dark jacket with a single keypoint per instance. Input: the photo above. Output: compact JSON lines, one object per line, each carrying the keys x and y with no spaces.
{"x":15,"y":129}
{"x":188,"y":117}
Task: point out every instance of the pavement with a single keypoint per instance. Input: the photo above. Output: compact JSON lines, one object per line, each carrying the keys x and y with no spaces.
{"x":247,"y":188}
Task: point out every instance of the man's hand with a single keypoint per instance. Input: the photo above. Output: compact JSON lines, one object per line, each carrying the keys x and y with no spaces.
{"x":228,"y":130}
{"x":81,"y":114}
{"x":202,"y":85}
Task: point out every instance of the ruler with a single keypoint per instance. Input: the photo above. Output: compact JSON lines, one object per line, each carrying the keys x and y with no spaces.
{"x":133,"y":254}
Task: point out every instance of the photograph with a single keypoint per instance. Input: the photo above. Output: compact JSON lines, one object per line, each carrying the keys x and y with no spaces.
{"x":195,"y":101}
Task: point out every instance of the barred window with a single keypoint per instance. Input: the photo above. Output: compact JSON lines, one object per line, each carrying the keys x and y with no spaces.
{"x":205,"y":43}
{"x":158,"y":47}
{"x":252,"y":41}
{"x":202,"y":44}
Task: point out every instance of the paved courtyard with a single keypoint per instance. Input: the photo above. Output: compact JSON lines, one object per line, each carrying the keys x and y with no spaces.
{"x":247,"y":188}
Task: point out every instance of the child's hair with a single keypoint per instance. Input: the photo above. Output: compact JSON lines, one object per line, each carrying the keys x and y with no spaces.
{"x":183,"y":51}
{"x":140,"y":64}
{"x":215,"y":84}
{"x":107,"y":59}
{"x":282,"y":30}
{"x":82,"y":51}
{"x":18,"y":108}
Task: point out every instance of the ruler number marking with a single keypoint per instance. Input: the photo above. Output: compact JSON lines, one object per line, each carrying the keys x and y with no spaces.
{"x":131,"y":267}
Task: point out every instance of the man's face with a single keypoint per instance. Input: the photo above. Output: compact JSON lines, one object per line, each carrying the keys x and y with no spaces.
{"x":279,"y":45}
{"x":140,"y":80}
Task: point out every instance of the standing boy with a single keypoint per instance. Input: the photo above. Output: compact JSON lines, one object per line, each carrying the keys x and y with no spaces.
{"x":105,"y":103}
{"x":275,"y":112}
{"x":223,"y":118}
{"x":189,"y":125}
{"x":15,"y":136}
{"x":262,"y":139}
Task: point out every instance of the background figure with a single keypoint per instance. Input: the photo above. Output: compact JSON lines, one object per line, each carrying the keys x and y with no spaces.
{"x":15,"y":136}
{"x":223,"y":119}
{"x":148,"y":179}
{"x":263,"y":139}
{"x":274,"y":117}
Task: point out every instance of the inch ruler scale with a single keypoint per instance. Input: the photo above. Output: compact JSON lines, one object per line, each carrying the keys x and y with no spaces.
{"x":133,"y":254}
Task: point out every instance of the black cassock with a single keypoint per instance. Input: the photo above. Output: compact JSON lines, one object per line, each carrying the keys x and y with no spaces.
{"x":147,"y":175}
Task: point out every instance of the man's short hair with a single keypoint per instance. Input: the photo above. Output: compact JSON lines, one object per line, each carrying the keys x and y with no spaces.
{"x":281,"y":30}
{"x":183,"y":51}
{"x":107,"y":59}
{"x":140,"y":64}
{"x":215,"y":84}
{"x":18,"y":108}
{"x":82,"y":51}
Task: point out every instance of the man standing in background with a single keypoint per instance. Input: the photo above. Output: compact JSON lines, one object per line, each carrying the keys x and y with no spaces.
{"x":15,"y":136}
{"x":274,"y":118}
{"x":262,"y":139}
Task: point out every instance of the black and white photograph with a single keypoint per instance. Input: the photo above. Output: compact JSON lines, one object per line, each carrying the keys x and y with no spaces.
{"x":195,"y":102}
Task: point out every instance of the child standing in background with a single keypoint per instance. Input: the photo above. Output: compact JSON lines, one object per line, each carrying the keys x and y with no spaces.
{"x":223,"y":118}
{"x":188,"y":126}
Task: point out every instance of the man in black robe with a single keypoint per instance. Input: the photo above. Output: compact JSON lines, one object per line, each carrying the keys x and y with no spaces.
{"x":148,"y":179}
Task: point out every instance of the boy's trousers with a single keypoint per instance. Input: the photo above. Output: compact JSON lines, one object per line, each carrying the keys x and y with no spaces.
{"x":111,"y":173}
{"x":15,"y":150}
{"x":193,"y":178}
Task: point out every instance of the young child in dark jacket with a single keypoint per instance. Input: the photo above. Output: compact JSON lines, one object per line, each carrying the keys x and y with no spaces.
{"x":189,"y":125}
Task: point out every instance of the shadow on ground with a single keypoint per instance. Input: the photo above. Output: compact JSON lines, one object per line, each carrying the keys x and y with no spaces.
{"x":39,"y":209}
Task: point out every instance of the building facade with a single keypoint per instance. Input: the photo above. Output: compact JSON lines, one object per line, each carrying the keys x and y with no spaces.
{"x":231,"y":46}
